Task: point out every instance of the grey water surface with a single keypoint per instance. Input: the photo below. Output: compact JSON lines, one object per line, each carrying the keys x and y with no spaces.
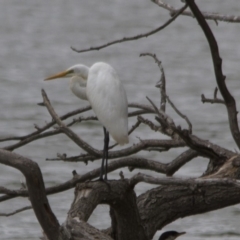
{"x":35,"y":42}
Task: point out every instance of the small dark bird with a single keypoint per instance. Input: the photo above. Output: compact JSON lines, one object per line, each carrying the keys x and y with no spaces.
{"x":170,"y":235}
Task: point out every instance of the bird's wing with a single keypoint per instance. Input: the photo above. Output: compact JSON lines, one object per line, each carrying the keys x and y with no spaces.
{"x":107,"y":97}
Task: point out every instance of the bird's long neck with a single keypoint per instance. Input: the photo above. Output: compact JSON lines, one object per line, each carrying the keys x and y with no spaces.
{"x":78,"y":87}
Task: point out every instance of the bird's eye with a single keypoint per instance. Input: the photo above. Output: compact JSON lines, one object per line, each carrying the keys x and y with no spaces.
{"x":70,"y":71}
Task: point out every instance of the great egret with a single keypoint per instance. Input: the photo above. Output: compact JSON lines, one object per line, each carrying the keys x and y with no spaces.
{"x":101,"y":86}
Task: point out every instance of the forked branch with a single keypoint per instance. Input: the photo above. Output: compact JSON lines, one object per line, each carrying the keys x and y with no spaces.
{"x":220,"y":78}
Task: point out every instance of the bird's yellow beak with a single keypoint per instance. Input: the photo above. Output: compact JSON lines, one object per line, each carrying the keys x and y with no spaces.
{"x":181,"y":233}
{"x":58,"y":75}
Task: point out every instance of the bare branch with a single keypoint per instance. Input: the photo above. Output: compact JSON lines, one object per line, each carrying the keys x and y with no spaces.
{"x":140,"y":177}
{"x":131,"y":162}
{"x":38,"y":134}
{"x":165,"y":119}
{"x":135,"y":163}
{"x":220,"y":78}
{"x":209,"y":100}
{"x":207,"y":15}
{"x":32,"y":138}
{"x":143,"y":144}
{"x":125,"y":39}
{"x":36,"y":191}
{"x":150,"y":124}
{"x":82,"y":144}
{"x":7,"y":191}
{"x":180,"y":160}
{"x":214,"y":100}
{"x":48,"y":125}
{"x":15,"y":212}
{"x":167,"y":123}
{"x":94,"y":118}
{"x":161,"y":83}
{"x":204,"y":148}
{"x":180,"y":114}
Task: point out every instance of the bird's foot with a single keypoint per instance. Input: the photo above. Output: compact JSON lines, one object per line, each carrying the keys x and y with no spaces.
{"x":105,"y":180}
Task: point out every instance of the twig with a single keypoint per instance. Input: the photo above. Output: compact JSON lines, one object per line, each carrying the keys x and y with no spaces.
{"x":166,"y":121}
{"x":82,"y":144}
{"x":214,"y":100}
{"x":15,"y":212}
{"x":161,"y":84}
{"x":81,"y":119}
{"x":204,"y":148}
{"x":142,"y":106}
{"x":209,"y":100}
{"x":207,"y":15}
{"x":215,"y":92}
{"x":80,"y":158}
{"x":143,"y":144}
{"x":32,"y":138}
{"x":180,"y":114}
{"x":150,"y":124}
{"x":7,"y":191}
{"x":135,"y":126}
{"x":38,"y":134}
{"x":125,"y":39}
{"x":48,"y":125}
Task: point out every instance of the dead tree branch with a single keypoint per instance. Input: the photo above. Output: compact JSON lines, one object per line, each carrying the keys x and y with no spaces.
{"x":82,"y":144}
{"x":161,"y":84}
{"x":207,"y":15}
{"x":125,"y":39}
{"x":204,"y":148}
{"x":220,"y":78}
{"x":143,"y":144}
{"x":180,"y":160}
{"x":180,"y":114}
{"x":15,"y":212}
{"x":214,"y":100}
{"x":36,"y":191}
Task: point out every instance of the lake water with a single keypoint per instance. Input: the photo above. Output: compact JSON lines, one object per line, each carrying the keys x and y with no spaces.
{"x":35,"y":42}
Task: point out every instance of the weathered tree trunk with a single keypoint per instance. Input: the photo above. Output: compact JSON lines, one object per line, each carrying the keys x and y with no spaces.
{"x":120,"y":196}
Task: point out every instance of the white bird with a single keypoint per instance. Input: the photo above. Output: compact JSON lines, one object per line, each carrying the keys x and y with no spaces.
{"x":101,"y":86}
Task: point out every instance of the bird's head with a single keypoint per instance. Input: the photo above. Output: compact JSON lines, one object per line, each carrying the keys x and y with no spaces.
{"x":170,"y":235}
{"x":78,"y":70}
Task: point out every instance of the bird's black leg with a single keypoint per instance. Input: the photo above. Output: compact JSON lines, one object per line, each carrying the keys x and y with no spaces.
{"x":106,"y":143}
{"x":103,"y":159}
{"x":105,"y":155}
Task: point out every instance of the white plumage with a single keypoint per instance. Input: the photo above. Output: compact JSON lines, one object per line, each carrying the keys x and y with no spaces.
{"x":108,"y":99}
{"x":101,"y":86}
